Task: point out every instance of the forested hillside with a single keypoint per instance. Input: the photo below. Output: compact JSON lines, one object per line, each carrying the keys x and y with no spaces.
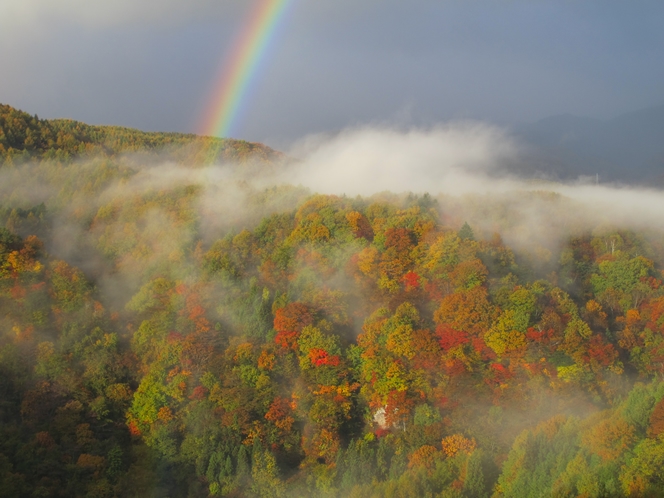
{"x":24,"y":137}
{"x":158,"y":339}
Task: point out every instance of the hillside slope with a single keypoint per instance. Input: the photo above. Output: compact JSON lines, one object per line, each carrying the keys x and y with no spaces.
{"x":341,"y":348}
{"x":170,"y":331}
{"x":25,"y":137}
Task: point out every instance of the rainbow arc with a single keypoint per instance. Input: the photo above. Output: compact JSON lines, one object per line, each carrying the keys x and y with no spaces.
{"x":247,"y":56}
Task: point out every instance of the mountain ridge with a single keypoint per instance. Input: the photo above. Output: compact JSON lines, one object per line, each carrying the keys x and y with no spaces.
{"x":26,"y":137}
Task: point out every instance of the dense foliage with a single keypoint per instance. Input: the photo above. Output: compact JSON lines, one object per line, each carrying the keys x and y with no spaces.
{"x":337,"y":347}
{"x":24,"y":137}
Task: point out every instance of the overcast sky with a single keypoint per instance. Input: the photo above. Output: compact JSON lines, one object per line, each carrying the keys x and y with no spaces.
{"x":151,"y":64}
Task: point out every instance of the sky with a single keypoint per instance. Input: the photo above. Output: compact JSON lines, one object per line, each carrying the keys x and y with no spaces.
{"x":334,"y":64}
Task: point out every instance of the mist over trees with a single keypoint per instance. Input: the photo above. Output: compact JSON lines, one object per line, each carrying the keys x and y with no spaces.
{"x":171,"y":328}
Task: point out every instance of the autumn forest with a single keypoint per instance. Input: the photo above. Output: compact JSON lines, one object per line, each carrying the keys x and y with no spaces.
{"x":171,"y":328}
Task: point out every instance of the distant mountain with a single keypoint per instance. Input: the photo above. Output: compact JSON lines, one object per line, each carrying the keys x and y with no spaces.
{"x":25,"y":137}
{"x":627,"y":148}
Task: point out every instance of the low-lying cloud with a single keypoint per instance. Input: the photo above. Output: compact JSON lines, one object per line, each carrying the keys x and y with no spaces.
{"x":464,"y":166}
{"x":456,"y":160}
{"x":470,"y":168}
{"x":364,"y":161}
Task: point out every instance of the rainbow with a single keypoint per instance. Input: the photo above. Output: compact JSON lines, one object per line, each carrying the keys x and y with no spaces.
{"x":240,"y":69}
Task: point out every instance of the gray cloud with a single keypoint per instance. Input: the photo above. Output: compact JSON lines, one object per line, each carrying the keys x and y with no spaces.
{"x":152,"y":64}
{"x":113,"y":13}
{"x":109,"y":13}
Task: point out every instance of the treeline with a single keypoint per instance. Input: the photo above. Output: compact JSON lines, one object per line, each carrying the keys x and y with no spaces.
{"x":346,"y":347}
{"x":26,"y":138}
